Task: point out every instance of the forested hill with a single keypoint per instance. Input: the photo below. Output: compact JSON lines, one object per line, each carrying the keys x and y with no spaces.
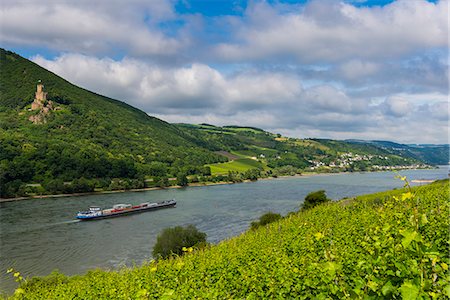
{"x":74,"y":140}
{"x":82,"y":135}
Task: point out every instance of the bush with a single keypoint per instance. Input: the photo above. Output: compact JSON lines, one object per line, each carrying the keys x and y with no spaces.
{"x":161,"y":181}
{"x":182,"y":179}
{"x":251,"y":174}
{"x":15,"y":188}
{"x":54,"y":186}
{"x":313,"y":199}
{"x":172,"y":240}
{"x":82,"y":185}
{"x":265,"y":219}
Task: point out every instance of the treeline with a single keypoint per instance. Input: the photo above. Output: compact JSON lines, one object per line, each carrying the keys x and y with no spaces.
{"x":18,"y":188}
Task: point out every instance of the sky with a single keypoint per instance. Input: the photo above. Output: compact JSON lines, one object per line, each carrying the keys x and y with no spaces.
{"x":355,"y":69}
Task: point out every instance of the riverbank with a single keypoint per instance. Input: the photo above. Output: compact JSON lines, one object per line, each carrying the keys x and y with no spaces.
{"x":196,"y":184}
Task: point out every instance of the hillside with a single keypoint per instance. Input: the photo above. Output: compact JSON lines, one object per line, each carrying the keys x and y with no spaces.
{"x":87,"y":136}
{"x":78,"y":141}
{"x":277,"y":155}
{"x":430,"y":154}
{"x":388,"y":245}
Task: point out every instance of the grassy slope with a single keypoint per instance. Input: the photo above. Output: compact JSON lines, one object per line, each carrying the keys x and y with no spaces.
{"x":373,"y":245}
{"x":238,"y":165}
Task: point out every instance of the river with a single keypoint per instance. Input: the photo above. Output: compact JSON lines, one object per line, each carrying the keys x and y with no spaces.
{"x":41,"y":235}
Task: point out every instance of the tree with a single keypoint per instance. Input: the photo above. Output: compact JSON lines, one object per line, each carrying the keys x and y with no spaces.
{"x":172,"y":240}
{"x":206,"y":171}
{"x":182,"y":179}
{"x":82,"y":185}
{"x":251,"y":174}
{"x":265,"y":219}
{"x":313,"y":199}
{"x":162,"y":181}
{"x":54,"y":186}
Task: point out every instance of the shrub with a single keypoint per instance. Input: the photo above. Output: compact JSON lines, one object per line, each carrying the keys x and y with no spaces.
{"x":313,"y":199}
{"x":265,"y":219}
{"x":251,"y":174}
{"x":162,"y":181}
{"x":54,"y":186}
{"x":182,"y":179}
{"x":172,"y":240}
{"x":82,"y":185}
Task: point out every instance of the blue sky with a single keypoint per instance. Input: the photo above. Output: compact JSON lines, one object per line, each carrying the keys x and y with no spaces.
{"x":320,"y":68}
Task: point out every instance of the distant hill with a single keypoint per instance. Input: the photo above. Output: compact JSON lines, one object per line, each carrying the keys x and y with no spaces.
{"x":278,"y":155}
{"x":430,"y":154}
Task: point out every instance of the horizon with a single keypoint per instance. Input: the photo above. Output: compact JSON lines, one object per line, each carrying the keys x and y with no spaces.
{"x":361,"y":70}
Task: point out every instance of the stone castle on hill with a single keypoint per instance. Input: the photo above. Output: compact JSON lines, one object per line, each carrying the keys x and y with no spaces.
{"x":40,"y":103}
{"x":40,"y":97}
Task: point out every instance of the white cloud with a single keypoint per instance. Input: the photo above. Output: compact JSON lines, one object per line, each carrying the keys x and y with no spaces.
{"x":320,"y":69}
{"x":327,"y":31}
{"x":100,"y":27}
{"x":271,"y":100}
{"x":355,"y":69}
{"x":397,"y":106}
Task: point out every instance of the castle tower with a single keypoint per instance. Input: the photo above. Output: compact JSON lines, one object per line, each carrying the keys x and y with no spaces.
{"x":40,"y":97}
{"x":40,"y":94}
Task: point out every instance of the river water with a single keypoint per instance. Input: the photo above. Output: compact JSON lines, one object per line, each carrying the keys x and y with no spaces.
{"x":41,"y":235}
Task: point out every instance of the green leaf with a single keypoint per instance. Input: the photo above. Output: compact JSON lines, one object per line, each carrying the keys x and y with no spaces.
{"x":423,"y":219}
{"x":372,"y":285}
{"x":447,"y":290}
{"x":409,"y":290}
{"x":331,"y":267}
{"x":409,"y":236}
{"x":388,"y":288}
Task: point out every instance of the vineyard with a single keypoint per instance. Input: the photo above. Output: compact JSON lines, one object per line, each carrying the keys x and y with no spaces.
{"x":386,"y":245}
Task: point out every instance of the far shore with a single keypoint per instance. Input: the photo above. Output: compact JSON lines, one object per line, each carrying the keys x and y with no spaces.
{"x":309,"y":174}
{"x":303,"y":175}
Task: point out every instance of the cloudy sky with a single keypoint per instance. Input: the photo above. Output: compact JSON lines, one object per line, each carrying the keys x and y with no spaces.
{"x":322,"y":68}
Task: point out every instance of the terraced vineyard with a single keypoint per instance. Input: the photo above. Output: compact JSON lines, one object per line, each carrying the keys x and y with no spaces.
{"x":386,"y":245}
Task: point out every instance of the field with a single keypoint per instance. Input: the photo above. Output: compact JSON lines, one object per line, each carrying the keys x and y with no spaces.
{"x":386,"y":245}
{"x":238,"y":165}
{"x":257,"y":151}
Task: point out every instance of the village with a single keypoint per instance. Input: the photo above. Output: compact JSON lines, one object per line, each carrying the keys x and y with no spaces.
{"x":368,"y":162}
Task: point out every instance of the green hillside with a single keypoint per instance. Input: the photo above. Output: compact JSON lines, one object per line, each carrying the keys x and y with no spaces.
{"x":287,"y":156}
{"x":89,"y":136}
{"x":79,"y":141}
{"x":389,"y":245}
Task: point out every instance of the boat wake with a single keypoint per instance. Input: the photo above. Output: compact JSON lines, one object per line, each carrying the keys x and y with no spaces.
{"x":64,"y":222}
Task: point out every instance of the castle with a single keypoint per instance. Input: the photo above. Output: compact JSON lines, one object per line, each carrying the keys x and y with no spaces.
{"x":40,"y":97}
{"x":40,"y":103}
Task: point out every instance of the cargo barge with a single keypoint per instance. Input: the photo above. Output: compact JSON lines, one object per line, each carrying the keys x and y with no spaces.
{"x":95,"y":212}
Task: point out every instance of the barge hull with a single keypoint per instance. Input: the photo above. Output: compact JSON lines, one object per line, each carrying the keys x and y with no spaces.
{"x":126,"y":212}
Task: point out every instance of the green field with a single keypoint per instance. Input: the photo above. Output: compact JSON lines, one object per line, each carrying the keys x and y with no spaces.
{"x":389,"y":245}
{"x":256,"y":151}
{"x":238,"y":165}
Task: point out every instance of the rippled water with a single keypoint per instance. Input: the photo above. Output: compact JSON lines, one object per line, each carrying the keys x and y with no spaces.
{"x":41,"y":235}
